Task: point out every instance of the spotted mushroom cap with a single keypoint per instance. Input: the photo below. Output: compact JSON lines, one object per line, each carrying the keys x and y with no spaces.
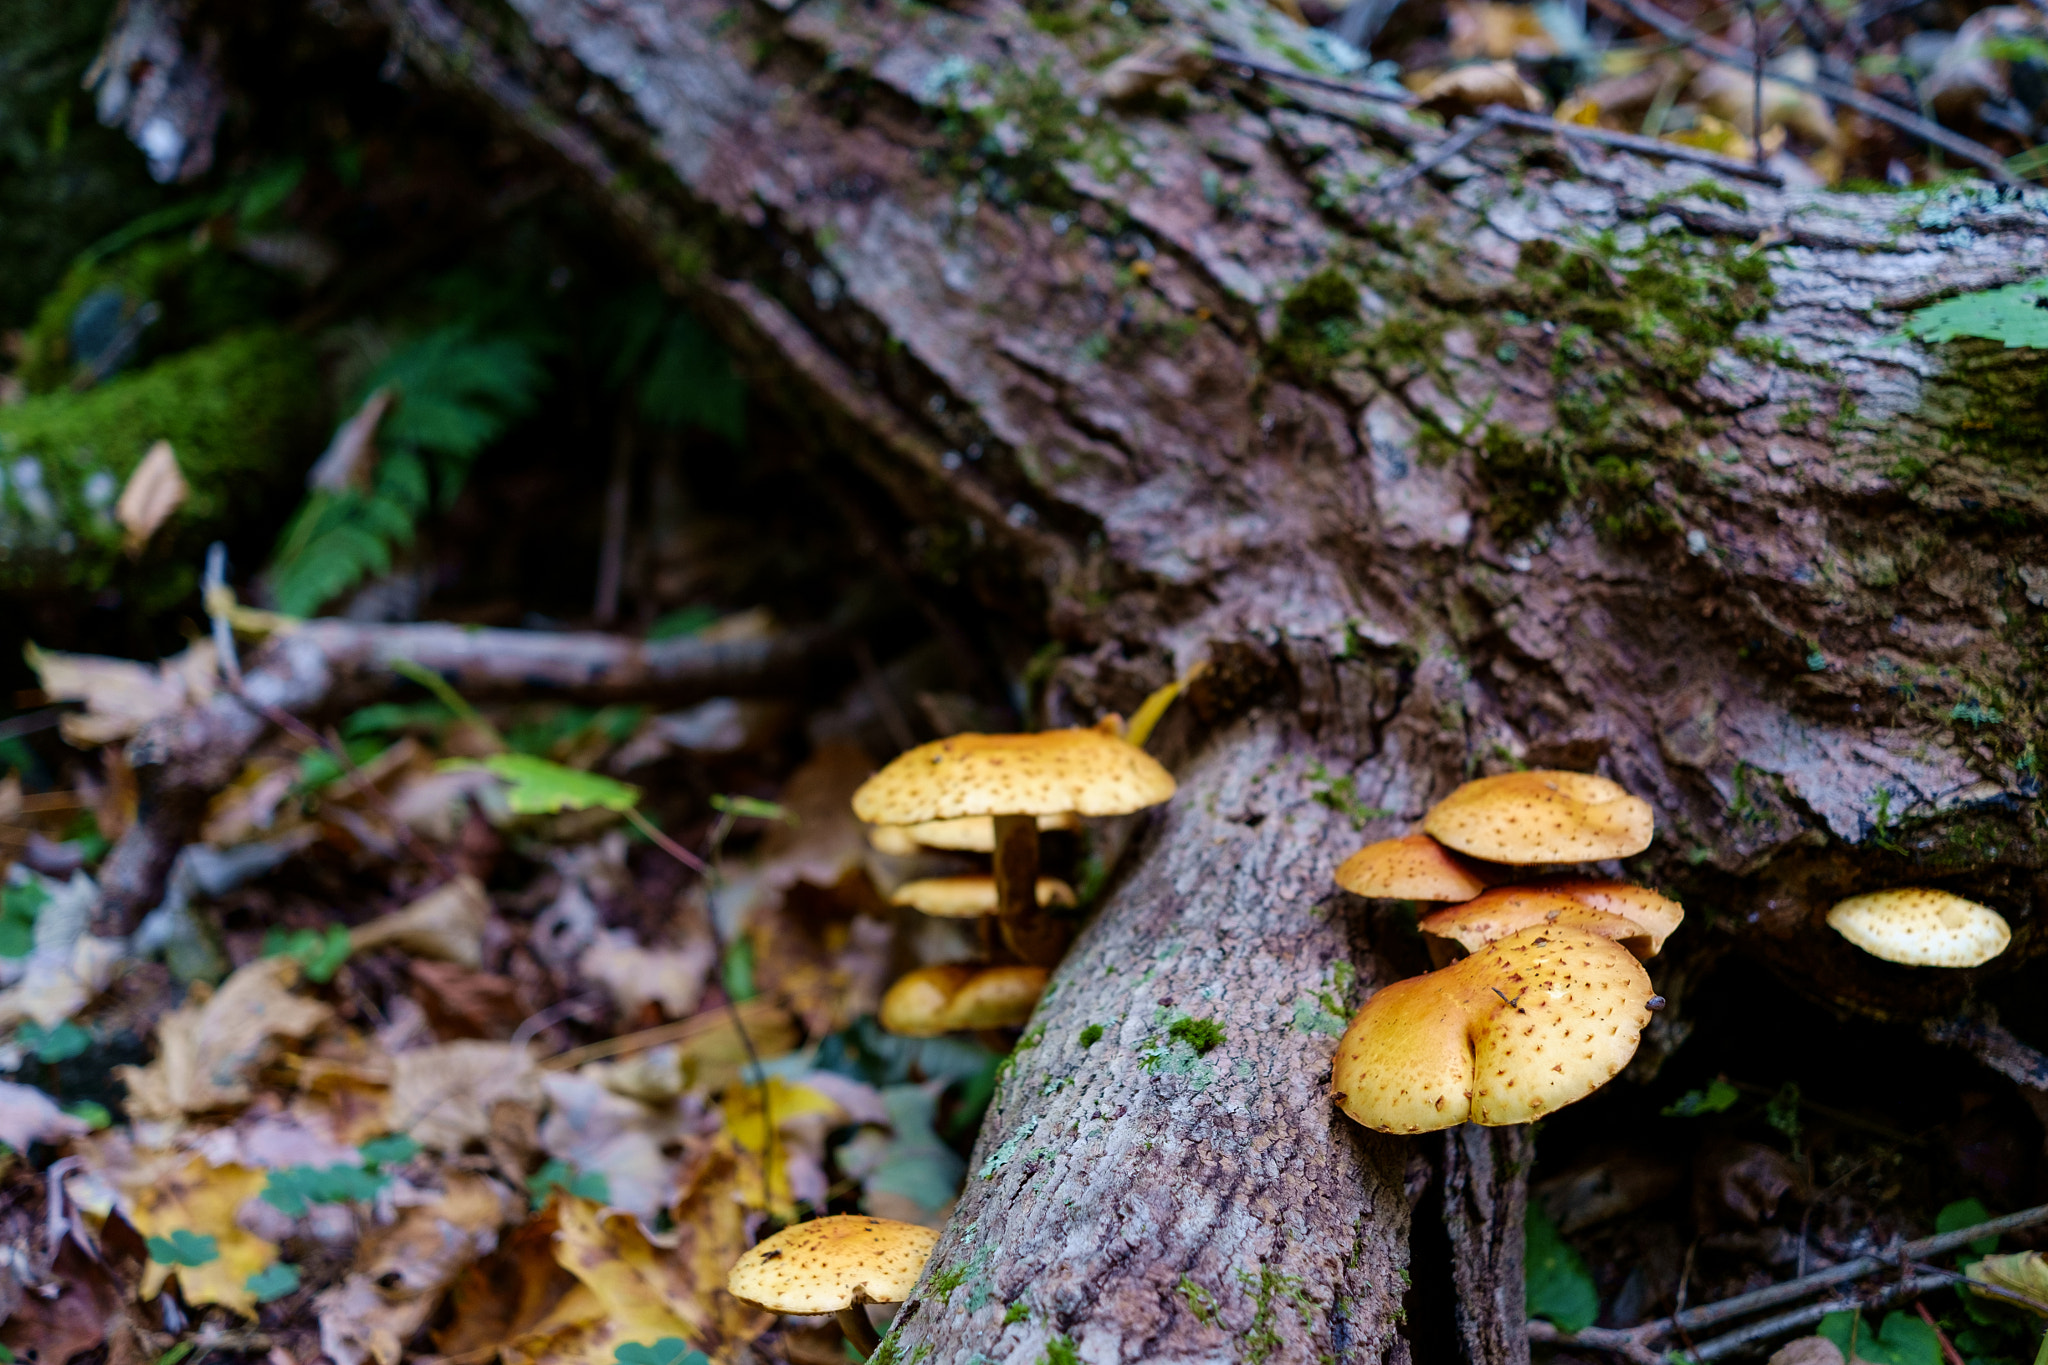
{"x":1526,"y":1025}
{"x":1542,"y":817}
{"x":966,"y":834}
{"x":970,"y":897}
{"x":947,"y":998}
{"x":997,"y":997}
{"x":832,"y":1263}
{"x":1412,"y":868}
{"x":1049,"y":773}
{"x":1634,"y":916}
{"x":1921,"y":927}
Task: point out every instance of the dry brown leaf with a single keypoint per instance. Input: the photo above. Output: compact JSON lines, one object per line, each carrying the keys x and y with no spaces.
{"x":443,"y":1095}
{"x":120,"y":695}
{"x":508,"y":1294}
{"x":204,"y":1200}
{"x":351,"y":456}
{"x":207,"y":1050}
{"x":673,"y":978}
{"x":627,"y":1140}
{"x":1730,"y":96}
{"x":86,"y":1306}
{"x":1469,"y":89}
{"x":1485,"y":29}
{"x":446,"y":925}
{"x":28,"y":1115}
{"x":154,"y":491}
{"x":401,"y":1271}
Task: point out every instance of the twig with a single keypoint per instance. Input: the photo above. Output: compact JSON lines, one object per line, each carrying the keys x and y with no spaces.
{"x":1499,"y":115}
{"x":680,"y":1031}
{"x":1905,"y":120}
{"x":1635,"y":1342}
{"x":49,"y":718}
{"x":1731,"y":1342}
{"x":1230,"y":56}
{"x":1948,"y":1348}
{"x":1756,"y":85}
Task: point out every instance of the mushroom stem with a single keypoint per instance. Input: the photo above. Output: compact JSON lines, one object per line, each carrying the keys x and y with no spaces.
{"x":860,"y":1333}
{"x":1034,"y":936}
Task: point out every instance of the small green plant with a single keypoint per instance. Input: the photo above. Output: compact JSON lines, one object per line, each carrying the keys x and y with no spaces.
{"x":184,"y":1247}
{"x":1017,"y":1312}
{"x":1203,"y":1035}
{"x":1267,"y":1288}
{"x":1091,"y":1035}
{"x":560,"y":1175}
{"x":273,"y":1282}
{"x":1200,"y":1301}
{"x":535,"y":786}
{"x":1558,"y":1286}
{"x":292,"y":1188}
{"x":667,"y":1351}
{"x":1782,"y":1113}
{"x":1060,"y":1351}
{"x":19,"y":906}
{"x":319,"y":951}
{"x":2016,"y":315}
{"x":1976,"y":713}
{"x":1717,"y":1097}
{"x":59,"y":1044}
{"x":1340,"y":794}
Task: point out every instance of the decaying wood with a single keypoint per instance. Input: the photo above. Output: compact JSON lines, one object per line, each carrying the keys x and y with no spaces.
{"x":1549,"y":457}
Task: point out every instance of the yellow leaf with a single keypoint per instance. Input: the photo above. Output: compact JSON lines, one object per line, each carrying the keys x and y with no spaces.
{"x":203,"y":1200}
{"x":789,"y":1105}
{"x":2021,"y":1272}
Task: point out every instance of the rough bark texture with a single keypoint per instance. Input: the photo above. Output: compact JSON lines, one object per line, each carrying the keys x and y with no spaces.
{"x":1545,"y":458}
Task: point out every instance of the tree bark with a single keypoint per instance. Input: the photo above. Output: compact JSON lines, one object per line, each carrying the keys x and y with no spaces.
{"x":1548,"y":457}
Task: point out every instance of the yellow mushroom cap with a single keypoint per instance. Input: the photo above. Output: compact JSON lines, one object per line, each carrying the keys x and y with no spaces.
{"x":967,"y":834}
{"x":832,"y":1263}
{"x":1412,"y":868}
{"x":1922,"y":927}
{"x":1634,"y":916}
{"x":1526,"y":1025}
{"x":1049,"y":773}
{"x":970,"y":897}
{"x":1542,"y":817}
{"x":948,"y":998}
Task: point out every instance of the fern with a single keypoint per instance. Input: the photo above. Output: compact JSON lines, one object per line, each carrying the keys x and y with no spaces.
{"x":678,"y":375}
{"x":456,"y":393}
{"x":2016,"y":315}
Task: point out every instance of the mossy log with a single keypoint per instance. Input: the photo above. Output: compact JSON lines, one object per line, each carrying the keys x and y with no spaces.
{"x":1546,"y":457}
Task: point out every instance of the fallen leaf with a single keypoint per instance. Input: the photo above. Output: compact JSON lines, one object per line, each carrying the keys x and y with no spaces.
{"x":206,"y":1051}
{"x":400,"y":1271}
{"x":27,"y":1115}
{"x":189,"y":1205}
{"x":2022,"y":1272}
{"x":461,"y":1003}
{"x":625,"y":1140}
{"x":911,"y":1171}
{"x":1469,"y":89}
{"x":1497,"y":31}
{"x":443,"y":1096}
{"x":120,"y":695}
{"x":795,"y":1160}
{"x":446,"y":925}
{"x":672,"y":978}
{"x":154,"y":491}
{"x":76,"y":1319}
{"x":351,"y":456}
{"x":508,"y":1294}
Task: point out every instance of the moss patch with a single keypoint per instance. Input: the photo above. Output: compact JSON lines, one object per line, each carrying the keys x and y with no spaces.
{"x":239,"y":413}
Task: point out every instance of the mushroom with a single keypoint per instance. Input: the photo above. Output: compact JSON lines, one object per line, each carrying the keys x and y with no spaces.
{"x":1526,"y":1025}
{"x":970,"y":897}
{"x":1542,"y":817}
{"x":1634,"y":916}
{"x":1921,"y":927}
{"x":956,"y":996}
{"x":1414,"y":868}
{"x":834,"y":1265}
{"x":968,"y":834}
{"x":1016,"y":778}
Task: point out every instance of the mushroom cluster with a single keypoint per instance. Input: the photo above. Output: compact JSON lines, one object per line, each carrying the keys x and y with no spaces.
{"x":997,"y":792}
{"x":1540,"y":996}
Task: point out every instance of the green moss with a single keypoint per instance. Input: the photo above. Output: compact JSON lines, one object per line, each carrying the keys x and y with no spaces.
{"x":1017,"y":1312}
{"x":1203,"y":1035}
{"x":1060,"y":1351}
{"x":238,"y":413}
{"x":1091,"y":1035}
{"x":1268,"y":1288}
{"x":1318,"y":326}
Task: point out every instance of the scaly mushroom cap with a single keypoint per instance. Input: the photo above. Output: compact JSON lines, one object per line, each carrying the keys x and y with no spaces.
{"x":970,"y":897}
{"x":1921,"y":927}
{"x":1523,"y":1027}
{"x":1049,"y":773}
{"x":968,"y":834}
{"x":951,"y":997}
{"x":832,"y":1263}
{"x":1634,"y":916}
{"x":1412,"y":868}
{"x":1542,"y":817}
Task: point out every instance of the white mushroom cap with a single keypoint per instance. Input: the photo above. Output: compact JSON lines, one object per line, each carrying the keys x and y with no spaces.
{"x":1921,"y":927}
{"x":832,"y":1263}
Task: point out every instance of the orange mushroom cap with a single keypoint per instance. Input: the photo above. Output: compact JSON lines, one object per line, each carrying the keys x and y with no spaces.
{"x":954,"y":996}
{"x":832,"y":1263}
{"x":1634,"y":916}
{"x":1526,"y":1025}
{"x":1542,"y":817}
{"x":970,"y":897}
{"x":1052,"y":772}
{"x":1414,"y":867}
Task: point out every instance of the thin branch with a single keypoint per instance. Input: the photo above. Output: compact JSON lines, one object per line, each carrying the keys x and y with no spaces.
{"x":1499,"y":116}
{"x":1230,"y":56}
{"x":1905,"y":120}
{"x":1730,"y":1343}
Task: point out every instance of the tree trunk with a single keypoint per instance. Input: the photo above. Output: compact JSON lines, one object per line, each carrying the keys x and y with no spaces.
{"x":1546,"y":457}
